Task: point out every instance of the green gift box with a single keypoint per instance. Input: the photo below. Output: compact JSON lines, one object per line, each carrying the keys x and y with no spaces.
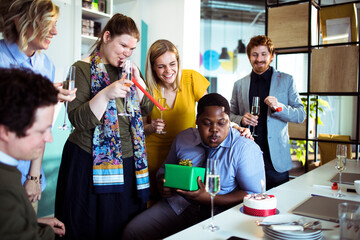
{"x":183,"y":177}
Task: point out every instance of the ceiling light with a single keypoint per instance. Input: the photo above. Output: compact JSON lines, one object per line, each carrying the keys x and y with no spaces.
{"x":224,"y":56}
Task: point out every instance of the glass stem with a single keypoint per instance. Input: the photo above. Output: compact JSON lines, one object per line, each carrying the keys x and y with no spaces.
{"x":66,"y":107}
{"x":212,"y":210}
{"x":340,"y":183}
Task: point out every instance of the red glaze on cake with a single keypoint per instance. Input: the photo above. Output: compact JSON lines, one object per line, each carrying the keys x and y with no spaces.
{"x":256,"y":205}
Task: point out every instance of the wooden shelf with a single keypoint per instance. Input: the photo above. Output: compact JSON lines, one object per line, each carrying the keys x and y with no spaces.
{"x":333,"y":69}
{"x":94,"y":15}
{"x":288,"y":26}
{"x":88,"y":39}
{"x":299,"y":130}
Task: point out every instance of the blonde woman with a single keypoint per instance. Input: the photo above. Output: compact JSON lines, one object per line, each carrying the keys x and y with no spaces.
{"x":182,"y":89}
{"x":28,"y":27}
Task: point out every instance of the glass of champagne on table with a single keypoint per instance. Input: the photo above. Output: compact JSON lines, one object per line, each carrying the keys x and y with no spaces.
{"x":212,"y":186}
{"x":255,"y":110}
{"x":162,"y":101}
{"x":69,"y":84}
{"x":127,"y":70}
{"x":340,"y":164}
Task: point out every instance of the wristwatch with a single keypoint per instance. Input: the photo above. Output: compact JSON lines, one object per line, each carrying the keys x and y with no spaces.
{"x":33,"y":178}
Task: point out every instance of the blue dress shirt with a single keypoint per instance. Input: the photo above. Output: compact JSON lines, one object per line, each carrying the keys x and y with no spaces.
{"x":241,"y":162}
{"x":12,"y":57}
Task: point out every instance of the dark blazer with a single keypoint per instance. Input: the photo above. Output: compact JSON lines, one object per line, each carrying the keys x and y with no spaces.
{"x":17,"y":216}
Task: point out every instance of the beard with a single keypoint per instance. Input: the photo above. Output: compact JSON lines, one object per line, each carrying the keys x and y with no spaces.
{"x":259,"y":69}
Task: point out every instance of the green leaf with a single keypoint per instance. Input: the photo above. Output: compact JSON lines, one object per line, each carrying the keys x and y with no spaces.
{"x":324,"y":103}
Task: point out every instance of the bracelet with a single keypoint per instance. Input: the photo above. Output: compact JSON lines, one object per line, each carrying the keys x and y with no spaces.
{"x":35,"y":179}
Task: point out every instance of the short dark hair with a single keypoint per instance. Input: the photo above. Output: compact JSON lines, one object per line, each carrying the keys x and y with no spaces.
{"x":260,"y":40}
{"x":22,"y":92}
{"x":212,"y":99}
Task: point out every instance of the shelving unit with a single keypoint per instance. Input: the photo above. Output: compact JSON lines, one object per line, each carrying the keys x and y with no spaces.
{"x":96,"y":16}
{"x":332,"y":68}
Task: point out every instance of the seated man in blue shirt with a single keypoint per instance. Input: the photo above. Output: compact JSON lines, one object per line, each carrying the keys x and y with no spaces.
{"x":241,"y":171}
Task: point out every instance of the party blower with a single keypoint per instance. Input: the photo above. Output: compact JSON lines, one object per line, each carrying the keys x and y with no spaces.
{"x":277,"y":109}
{"x":148,"y":95}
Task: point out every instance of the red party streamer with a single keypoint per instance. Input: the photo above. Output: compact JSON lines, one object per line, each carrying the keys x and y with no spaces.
{"x":148,"y":95}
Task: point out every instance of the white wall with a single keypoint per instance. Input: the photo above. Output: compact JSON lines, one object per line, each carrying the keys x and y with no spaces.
{"x":175,"y":20}
{"x":63,"y":48}
{"x":191,"y":36}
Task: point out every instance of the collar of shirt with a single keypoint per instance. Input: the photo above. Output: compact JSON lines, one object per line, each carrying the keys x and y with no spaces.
{"x":6,"y":159}
{"x":264,"y":76}
{"x":20,"y":57}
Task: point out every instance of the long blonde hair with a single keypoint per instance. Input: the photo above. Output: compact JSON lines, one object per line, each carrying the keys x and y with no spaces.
{"x":16,"y":17}
{"x":157,"y":49}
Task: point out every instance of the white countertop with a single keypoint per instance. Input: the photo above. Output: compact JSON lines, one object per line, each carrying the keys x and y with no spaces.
{"x":235,"y":223}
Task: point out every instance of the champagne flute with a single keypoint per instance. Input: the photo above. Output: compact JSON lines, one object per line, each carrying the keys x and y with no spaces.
{"x":68,"y":83}
{"x":255,"y":110}
{"x":212,"y":186}
{"x":340,"y":164}
{"x":162,"y":101}
{"x":126,"y":69}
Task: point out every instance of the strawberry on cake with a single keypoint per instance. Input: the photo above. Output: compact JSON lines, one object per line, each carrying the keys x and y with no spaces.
{"x":260,"y":205}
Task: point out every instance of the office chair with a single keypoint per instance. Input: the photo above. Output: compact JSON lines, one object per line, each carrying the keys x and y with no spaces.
{"x":328,"y":149}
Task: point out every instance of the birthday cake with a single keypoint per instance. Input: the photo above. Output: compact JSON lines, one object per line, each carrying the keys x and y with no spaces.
{"x":260,"y":205}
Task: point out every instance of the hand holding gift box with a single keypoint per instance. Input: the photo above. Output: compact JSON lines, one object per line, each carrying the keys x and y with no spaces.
{"x":183,"y":176}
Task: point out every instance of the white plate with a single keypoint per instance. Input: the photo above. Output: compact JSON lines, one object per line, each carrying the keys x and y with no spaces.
{"x":307,"y":234}
{"x":285,"y":235}
{"x":282,"y":218}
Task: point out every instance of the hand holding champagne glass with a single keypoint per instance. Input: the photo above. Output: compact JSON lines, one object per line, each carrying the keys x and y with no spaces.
{"x":255,"y":110}
{"x":340,"y":164}
{"x":162,"y":102}
{"x":127,"y":70}
{"x":212,"y":186}
{"x":69,"y":84}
